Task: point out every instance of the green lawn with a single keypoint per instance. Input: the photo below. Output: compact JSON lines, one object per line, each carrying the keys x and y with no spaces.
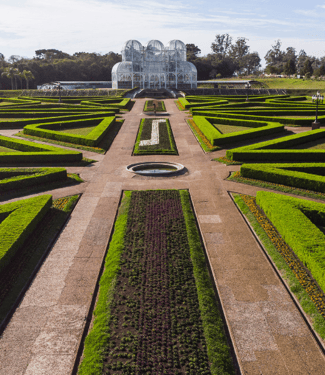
{"x":78,"y":131}
{"x":226,"y":129}
{"x":5,"y":149}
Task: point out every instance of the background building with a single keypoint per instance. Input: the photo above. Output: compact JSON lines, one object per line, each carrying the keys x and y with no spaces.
{"x":154,"y":66}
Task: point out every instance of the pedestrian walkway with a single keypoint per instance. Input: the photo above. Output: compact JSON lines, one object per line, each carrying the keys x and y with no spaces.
{"x":267,"y":331}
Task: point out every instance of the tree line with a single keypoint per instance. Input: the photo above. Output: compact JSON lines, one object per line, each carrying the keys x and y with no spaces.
{"x":228,"y":57}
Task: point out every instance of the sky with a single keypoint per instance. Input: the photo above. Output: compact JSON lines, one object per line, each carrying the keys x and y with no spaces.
{"x":102,"y":26}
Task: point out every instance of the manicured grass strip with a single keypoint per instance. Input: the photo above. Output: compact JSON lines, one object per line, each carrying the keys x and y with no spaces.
{"x":166,"y":143}
{"x":298,"y":279}
{"x":237,"y":177}
{"x":213,"y":325}
{"x":180,"y":106}
{"x":97,"y":340}
{"x":225,"y":160}
{"x":204,"y":142}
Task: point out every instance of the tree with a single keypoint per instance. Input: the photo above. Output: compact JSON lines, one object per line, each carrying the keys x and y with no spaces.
{"x":51,"y":54}
{"x":301,"y":61}
{"x":28,"y":75}
{"x":290,"y":67}
{"x":274,"y":58}
{"x":251,"y":63}
{"x":9,"y":72}
{"x":307,"y":69}
{"x":192,"y":51}
{"x":221,"y":44}
{"x":237,"y":53}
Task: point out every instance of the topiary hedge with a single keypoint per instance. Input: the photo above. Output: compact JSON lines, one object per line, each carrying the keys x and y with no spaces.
{"x":205,"y":124}
{"x":92,"y":139}
{"x":309,"y":176}
{"x":297,"y":220}
{"x":278,"y":150}
{"x":32,"y":152}
{"x":18,"y":220}
{"x":19,"y":178}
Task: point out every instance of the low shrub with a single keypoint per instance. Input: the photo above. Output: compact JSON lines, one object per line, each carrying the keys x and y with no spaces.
{"x":278,"y":150}
{"x":48,"y":130}
{"x":309,"y":176}
{"x":205,"y":124}
{"x":19,"y":178}
{"x":18,"y":220}
{"x":32,"y":152}
{"x":297,"y":220}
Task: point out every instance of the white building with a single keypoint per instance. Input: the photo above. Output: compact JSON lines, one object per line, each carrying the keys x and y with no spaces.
{"x":154,"y":66}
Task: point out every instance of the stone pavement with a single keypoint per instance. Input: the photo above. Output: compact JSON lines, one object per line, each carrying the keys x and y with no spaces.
{"x":268,"y":333}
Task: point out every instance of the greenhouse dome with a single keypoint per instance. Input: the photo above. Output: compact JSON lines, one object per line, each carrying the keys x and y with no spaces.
{"x":154,"y":66}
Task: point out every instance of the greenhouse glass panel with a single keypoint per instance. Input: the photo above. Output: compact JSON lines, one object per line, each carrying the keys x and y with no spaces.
{"x":154,"y":66}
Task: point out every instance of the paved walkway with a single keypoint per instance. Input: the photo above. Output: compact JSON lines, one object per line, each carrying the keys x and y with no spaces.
{"x":268,"y":332}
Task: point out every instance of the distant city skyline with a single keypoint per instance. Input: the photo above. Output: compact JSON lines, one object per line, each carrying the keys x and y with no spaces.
{"x":102,"y":26}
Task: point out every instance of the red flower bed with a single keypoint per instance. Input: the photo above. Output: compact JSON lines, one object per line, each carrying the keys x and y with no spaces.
{"x":156,"y":325}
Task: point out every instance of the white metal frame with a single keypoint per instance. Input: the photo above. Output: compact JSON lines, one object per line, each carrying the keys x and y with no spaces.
{"x":154,"y":66}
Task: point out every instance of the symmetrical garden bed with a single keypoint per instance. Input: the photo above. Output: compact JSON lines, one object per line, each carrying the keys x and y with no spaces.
{"x":28,"y":227}
{"x":282,"y":150}
{"x":31,"y":152}
{"x":159,"y":106}
{"x":82,"y":132}
{"x":156,"y":310}
{"x":291,"y":231}
{"x":155,"y":136}
{"x":241,"y":129}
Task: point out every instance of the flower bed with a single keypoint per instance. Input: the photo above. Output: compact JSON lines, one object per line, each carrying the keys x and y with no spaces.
{"x":155,"y":136}
{"x":301,"y":283}
{"x":203,"y":140}
{"x":148,"y":107}
{"x":156,"y":310}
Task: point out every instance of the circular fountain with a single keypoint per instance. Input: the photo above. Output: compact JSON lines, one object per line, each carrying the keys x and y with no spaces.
{"x":155,"y":168}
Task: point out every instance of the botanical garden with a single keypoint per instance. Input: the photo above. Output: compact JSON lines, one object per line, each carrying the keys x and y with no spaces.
{"x":217,"y":268}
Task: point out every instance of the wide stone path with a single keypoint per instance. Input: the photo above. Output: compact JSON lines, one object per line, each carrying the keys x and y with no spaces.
{"x":268,"y":333}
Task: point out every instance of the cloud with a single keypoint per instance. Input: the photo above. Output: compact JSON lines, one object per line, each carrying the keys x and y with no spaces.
{"x":105,"y":25}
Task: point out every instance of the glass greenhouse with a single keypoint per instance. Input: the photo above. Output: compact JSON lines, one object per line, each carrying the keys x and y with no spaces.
{"x":154,"y":66}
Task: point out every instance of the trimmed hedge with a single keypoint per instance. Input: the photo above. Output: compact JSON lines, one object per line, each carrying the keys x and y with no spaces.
{"x":278,"y":150}
{"x":205,"y":124}
{"x":32,"y":152}
{"x":19,"y":219}
{"x":309,"y":176}
{"x":92,"y":139}
{"x":17,"y":124}
{"x":20,"y":178}
{"x":296,"y":221}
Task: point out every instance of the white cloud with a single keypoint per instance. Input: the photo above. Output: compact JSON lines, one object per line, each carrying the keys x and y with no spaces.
{"x":94,"y":25}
